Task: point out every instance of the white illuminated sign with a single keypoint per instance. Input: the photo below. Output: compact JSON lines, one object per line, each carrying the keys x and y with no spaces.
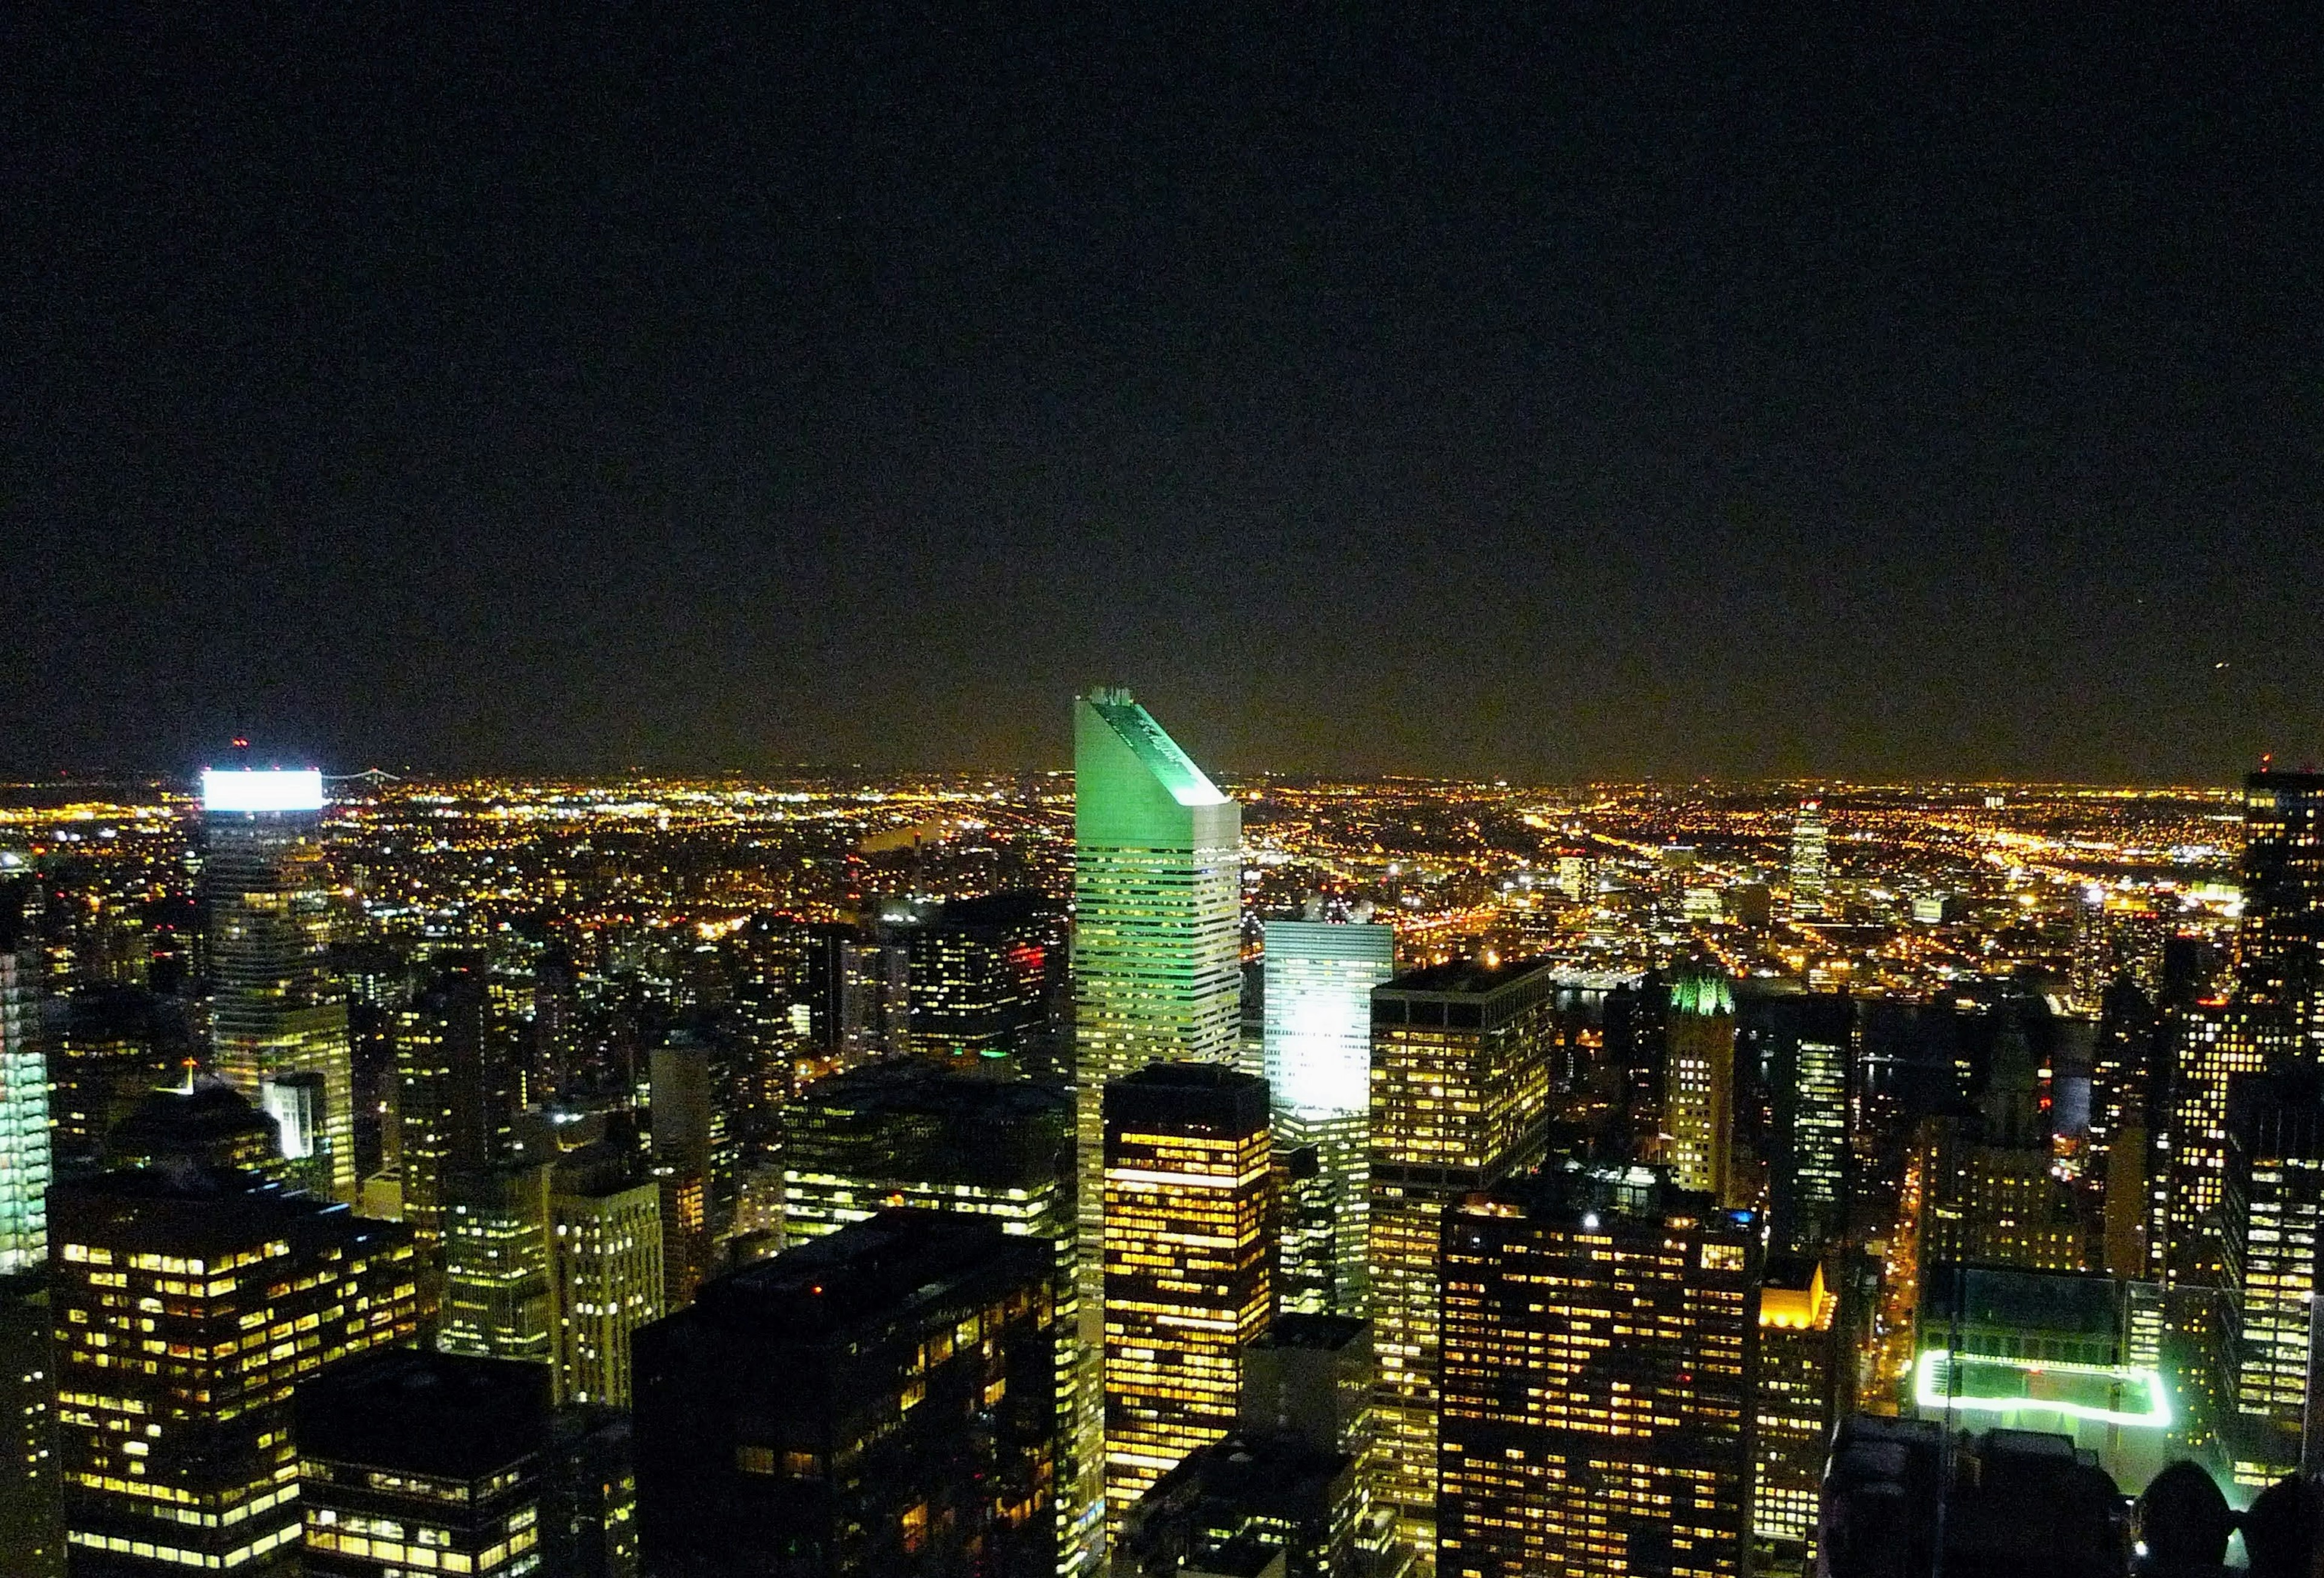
{"x":262,"y":791}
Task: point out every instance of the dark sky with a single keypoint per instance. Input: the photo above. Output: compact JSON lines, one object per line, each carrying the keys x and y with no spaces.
{"x":1560,"y":391}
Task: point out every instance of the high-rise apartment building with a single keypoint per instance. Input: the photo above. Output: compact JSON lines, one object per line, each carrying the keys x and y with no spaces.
{"x":1157,"y":915}
{"x":24,"y":1169}
{"x":880,"y":1401}
{"x":1460,"y":1071}
{"x":606,"y":1271}
{"x":1187,"y":1278}
{"x":1808,"y":861}
{"x":1699,"y":1085}
{"x":266,"y":898}
{"x":188,"y":1303}
{"x":1319,"y":977}
{"x":412,"y":1462}
{"x":1600,"y":1337}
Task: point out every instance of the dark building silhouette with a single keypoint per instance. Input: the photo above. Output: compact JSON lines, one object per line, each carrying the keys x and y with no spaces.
{"x":881,"y":1400}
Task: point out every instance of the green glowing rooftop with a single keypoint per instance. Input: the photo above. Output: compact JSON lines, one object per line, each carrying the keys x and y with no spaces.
{"x":1156,"y":751}
{"x":2106,"y":1393}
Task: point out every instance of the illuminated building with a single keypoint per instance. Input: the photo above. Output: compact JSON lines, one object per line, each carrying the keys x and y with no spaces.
{"x":880,"y":1401}
{"x":453,"y":1097}
{"x":1187,"y":1279}
{"x":1157,"y":897}
{"x":606,"y":1271}
{"x":23,"y":1105}
{"x":31,"y":1496}
{"x":2216,"y":1043}
{"x":2112,"y":940}
{"x":1600,"y":1338}
{"x":496,"y":1264}
{"x":1307,"y":1248}
{"x":875,"y":1000}
{"x":2271,"y":1212}
{"x":1271,"y":1495}
{"x":907,"y":1132}
{"x":115,"y":1044}
{"x":1793,"y":1400}
{"x":266,"y":895}
{"x":418,"y":1462}
{"x":2279,"y":939}
{"x":1808,"y":861}
{"x":1993,"y":1198}
{"x":682,"y":1119}
{"x":1796,"y":1048}
{"x":188,"y":1305}
{"x":200,"y":1119}
{"x":1699,"y":1085}
{"x":979,"y":980}
{"x":1461,"y":1057}
{"x":1319,"y":977}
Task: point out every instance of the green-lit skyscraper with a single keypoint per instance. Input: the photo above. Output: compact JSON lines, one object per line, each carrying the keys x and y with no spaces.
{"x":1157,"y":880}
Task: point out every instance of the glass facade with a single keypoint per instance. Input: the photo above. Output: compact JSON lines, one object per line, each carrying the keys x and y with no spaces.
{"x":25,"y":1165}
{"x":267,"y":902}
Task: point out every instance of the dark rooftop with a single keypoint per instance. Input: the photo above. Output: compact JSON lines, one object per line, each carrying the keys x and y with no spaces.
{"x":424,"y":1412}
{"x":897,"y":1260}
{"x":1465,"y":977}
{"x":1322,"y":1332}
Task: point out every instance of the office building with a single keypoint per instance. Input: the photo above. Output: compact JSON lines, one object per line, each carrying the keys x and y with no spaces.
{"x":1263,"y":1494}
{"x":412,"y":1462}
{"x":2114,"y":940}
{"x":1699,"y":1085}
{"x":2213,"y":1044}
{"x":2272,"y":1208}
{"x":31,"y":1490}
{"x":606,"y":1271}
{"x":1187,"y":1277}
{"x":880,"y":1401}
{"x":1312,"y":1375}
{"x":1157,"y":896}
{"x":1995,"y":1197}
{"x":682,"y":1122}
{"x":496,"y":1245}
{"x":115,"y":1043}
{"x":1600,"y":1346}
{"x":980,"y":978}
{"x":1794,"y":1399}
{"x":2279,"y":939}
{"x":24,"y":1169}
{"x":266,"y":899}
{"x":1808,"y":862}
{"x":1317,"y":1050}
{"x":188,"y":1303}
{"x":453,"y":1097}
{"x":589,"y":1506}
{"x":1308,"y":1249}
{"x":1461,"y":1061}
{"x":1792,"y":1049}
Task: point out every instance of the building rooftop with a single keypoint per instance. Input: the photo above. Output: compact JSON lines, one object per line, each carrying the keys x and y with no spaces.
{"x":425,"y":1412}
{"x":916,"y":1085}
{"x":1465,"y":977}
{"x":1321,"y":1332}
{"x":1156,"y":751}
{"x":882,"y":1267}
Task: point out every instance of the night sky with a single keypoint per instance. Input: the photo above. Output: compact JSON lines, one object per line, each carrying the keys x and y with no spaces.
{"x":1557,"y":392}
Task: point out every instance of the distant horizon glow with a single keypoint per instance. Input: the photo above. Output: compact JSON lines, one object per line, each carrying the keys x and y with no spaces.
{"x":271,"y":790}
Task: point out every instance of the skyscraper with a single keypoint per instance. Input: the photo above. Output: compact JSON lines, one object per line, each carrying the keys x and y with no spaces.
{"x":32,"y":1493}
{"x":1807,"y":872}
{"x":2280,"y":939}
{"x":1699,"y":1084}
{"x":266,"y":896}
{"x":2271,"y":1211}
{"x":880,"y":1401}
{"x":605,"y":1272}
{"x":1319,"y":980}
{"x":1792,"y":1050}
{"x":980,"y":971}
{"x":1187,"y":1279}
{"x":1793,"y":1402}
{"x":1157,"y":897}
{"x":1599,"y":1338}
{"x":452,"y":1100}
{"x":188,"y":1303}
{"x":496,"y":1263}
{"x":1460,"y":1090}
{"x":682,"y":1121}
{"x":24,"y":1103}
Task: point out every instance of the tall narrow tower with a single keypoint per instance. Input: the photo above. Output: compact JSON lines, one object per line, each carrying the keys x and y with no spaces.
{"x":1808,"y":861}
{"x":1157,"y":880}
{"x":265,"y":896}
